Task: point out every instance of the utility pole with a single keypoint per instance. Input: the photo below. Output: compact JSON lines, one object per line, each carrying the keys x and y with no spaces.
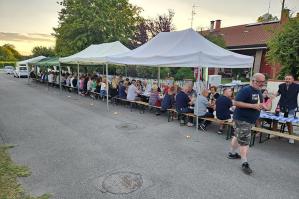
{"x":193,"y":13}
{"x":282,"y":6}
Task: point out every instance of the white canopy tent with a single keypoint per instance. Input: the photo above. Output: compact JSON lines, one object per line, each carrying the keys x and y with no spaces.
{"x":185,"y":48}
{"x":27,"y":61}
{"x":34,"y":59}
{"x":95,"y":55}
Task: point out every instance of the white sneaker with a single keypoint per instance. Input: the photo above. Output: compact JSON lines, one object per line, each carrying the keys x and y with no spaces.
{"x":189,"y":124}
{"x":291,"y":141}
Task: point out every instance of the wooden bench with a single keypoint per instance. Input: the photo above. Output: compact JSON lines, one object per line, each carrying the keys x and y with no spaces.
{"x":228,"y":125}
{"x":256,"y":130}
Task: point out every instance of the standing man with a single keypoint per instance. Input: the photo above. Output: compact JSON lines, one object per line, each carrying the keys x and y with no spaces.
{"x":288,"y":92}
{"x":248,"y":104}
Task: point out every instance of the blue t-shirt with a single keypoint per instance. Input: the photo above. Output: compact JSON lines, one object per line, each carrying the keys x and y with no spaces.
{"x":248,"y":95}
{"x":167,"y":102}
{"x":122,"y":92}
{"x":223,"y":105}
{"x":181,"y":100}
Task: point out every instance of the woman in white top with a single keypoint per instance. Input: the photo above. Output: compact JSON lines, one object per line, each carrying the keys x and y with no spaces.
{"x":103,"y":91}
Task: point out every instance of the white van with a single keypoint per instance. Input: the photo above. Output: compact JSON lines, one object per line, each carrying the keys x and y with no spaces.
{"x":21,"y":71}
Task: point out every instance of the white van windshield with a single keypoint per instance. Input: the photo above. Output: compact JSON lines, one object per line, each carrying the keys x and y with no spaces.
{"x":23,"y":68}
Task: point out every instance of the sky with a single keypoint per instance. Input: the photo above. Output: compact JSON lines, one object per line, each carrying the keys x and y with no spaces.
{"x":29,"y":23}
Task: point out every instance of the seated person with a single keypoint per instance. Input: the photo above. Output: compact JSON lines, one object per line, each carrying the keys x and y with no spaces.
{"x":200,"y":108}
{"x":133,"y":91}
{"x":212,"y":97}
{"x":122,"y":90}
{"x":183,"y":102}
{"x":267,"y":102}
{"x":223,"y":107}
{"x":154,"y":99}
{"x":168,"y":100}
{"x":266,"y":106}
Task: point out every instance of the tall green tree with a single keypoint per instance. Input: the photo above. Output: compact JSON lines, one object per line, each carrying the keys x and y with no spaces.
{"x":284,"y":48}
{"x":267,"y":17}
{"x":13,"y":50}
{"x":9,"y":53}
{"x":42,"y":50}
{"x":85,"y":22}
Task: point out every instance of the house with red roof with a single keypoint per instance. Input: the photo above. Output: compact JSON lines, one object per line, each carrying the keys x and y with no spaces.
{"x":251,"y":39}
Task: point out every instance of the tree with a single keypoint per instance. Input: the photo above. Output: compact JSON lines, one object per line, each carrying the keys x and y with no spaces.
{"x":12,"y":49}
{"x":85,"y":22}
{"x":8,"y":53}
{"x":284,"y":48}
{"x":149,"y":28}
{"x":163,"y":23}
{"x":267,"y":17}
{"x":216,"y":39}
{"x":184,"y":73}
{"x":41,"y":50}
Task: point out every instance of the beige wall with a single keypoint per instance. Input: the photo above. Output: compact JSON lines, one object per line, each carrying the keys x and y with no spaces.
{"x":257,"y":61}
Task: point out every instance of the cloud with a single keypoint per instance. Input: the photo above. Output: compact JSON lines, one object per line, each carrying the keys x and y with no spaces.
{"x":24,"y":43}
{"x":5,"y":36}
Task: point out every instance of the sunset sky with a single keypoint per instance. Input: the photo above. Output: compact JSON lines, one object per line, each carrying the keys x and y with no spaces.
{"x":29,"y":23}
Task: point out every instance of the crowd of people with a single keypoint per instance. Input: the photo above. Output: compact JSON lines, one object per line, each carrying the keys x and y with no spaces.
{"x":244,"y":108}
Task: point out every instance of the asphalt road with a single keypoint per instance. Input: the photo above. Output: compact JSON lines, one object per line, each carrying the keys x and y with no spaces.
{"x":76,"y":149}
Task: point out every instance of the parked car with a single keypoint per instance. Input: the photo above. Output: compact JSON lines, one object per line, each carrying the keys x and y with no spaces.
{"x":9,"y":69}
{"x":21,"y":71}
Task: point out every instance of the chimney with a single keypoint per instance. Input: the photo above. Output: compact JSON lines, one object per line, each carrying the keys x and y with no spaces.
{"x":218,"y":25}
{"x":212,"y":26}
{"x":284,"y":16}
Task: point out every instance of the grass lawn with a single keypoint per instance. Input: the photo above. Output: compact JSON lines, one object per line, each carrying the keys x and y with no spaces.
{"x":9,"y":172}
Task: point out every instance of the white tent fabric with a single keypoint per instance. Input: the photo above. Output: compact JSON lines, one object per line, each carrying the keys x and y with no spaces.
{"x":35,"y":59}
{"x":185,"y":48}
{"x":95,"y":54}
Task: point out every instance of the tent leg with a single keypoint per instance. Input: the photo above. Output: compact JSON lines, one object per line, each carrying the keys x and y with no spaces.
{"x":107,"y":88}
{"x":28,"y":73}
{"x":78,"y":85}
{"x":159,"y":73}
{"x":60,"y":89}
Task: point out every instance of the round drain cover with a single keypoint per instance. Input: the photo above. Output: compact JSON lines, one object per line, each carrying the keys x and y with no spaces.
{"x":126,"y":126}
{"x":122,"y":182}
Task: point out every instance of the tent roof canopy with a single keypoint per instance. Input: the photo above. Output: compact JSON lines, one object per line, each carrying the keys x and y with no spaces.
{"x":185,"y":48}
{"x":49,"y":61}
{"x":95,"y":54}
{"x":32,"y":60}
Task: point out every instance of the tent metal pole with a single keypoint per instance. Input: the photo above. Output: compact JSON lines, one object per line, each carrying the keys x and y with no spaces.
{"x":159,"y":76}
{"x":251,"y":72}
{"x":78,"y":85}
{"x":47,"y":69}
{"x":60,"y":88}
{"x":107,"y":88}
{"x":198,"y":92}
{"x":28,"y":73}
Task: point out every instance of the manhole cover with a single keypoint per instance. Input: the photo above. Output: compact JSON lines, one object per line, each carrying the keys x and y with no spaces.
{"x":122,"y":182}
{"x":126,"y":126}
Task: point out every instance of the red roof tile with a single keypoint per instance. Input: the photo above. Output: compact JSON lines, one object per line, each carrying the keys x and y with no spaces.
{"x":247,"y":35}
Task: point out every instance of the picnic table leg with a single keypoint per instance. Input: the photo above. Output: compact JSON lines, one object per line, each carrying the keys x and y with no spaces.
{"x":227,"y":129}
{"x":252,"y":139}
{"x":196,"y":122}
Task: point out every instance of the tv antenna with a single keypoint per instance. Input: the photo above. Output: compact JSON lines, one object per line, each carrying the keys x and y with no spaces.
{"x":193,"y":13}
{"x":269,"y":7}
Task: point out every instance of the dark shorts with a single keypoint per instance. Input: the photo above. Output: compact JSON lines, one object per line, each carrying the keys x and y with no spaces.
{"x":243,"y":132}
